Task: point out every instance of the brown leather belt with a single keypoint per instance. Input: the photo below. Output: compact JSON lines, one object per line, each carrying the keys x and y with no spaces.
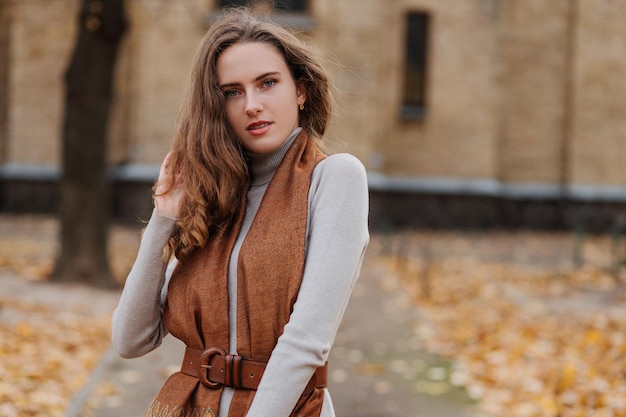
{"x":214,"y":368}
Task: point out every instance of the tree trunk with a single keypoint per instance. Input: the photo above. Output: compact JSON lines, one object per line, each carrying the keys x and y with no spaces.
{"x":85,"y":197}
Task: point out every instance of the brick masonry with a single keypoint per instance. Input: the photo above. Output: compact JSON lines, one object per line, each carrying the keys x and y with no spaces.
{"x":526,"y":97}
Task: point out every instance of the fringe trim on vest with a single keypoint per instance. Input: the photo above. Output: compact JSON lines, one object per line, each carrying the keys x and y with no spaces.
{"x":157,"y":410}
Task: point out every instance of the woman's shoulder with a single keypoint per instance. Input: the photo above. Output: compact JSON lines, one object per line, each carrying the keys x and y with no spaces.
{"x":341,"y":164}
{"x":341,"y":171}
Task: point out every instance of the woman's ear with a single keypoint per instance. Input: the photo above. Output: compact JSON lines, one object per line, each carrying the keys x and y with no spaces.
{"x":300,"y":93}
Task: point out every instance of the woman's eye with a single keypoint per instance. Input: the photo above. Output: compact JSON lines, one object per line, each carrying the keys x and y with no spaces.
{"x":269,"y":83}
{"x":230,"y":93}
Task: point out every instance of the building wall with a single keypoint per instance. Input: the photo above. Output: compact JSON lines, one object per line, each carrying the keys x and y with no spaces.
{"x":458,"y":137}
{"x":41,"y":37}
{"x":153,"y":76}
{"x":564,"y":88}
{"x":150,"y":80}
{"x":353,"y":38}
{"x":525,"y":98}
{"x":598,"y":133}
{"x":5,"y":24}
{"x":533,"y":49}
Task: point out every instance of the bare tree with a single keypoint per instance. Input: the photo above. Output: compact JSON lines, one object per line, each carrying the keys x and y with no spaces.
{"x":85,"y":197}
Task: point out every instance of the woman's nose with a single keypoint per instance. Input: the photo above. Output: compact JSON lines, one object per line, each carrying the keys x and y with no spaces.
{"x":253,"y":104}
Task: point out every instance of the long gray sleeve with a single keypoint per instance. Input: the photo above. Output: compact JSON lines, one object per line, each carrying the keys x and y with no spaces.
{"x":338,"y":236}
{"x":137,"y":326}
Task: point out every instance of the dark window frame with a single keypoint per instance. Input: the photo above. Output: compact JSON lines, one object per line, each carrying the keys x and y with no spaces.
{"x":299,"y":20}
{"x":283,"y":6}
{"x":416,"y":50}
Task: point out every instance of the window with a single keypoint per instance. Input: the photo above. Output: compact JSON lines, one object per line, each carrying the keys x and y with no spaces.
{"x":282,"y":5}
{"x":414,"y":99}
{"x":292,"y":14}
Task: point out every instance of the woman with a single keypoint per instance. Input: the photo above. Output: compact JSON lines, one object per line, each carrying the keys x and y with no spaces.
{"x":267,"y":233}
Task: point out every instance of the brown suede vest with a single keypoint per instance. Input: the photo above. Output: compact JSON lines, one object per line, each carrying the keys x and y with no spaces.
{"x":269,"y":274}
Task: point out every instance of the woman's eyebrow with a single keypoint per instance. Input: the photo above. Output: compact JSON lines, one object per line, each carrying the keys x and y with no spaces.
{"x":260,"y":77}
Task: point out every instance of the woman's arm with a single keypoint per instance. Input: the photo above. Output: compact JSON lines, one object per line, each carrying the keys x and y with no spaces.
{"x":137,"y":326}
{"x":338,"y":236}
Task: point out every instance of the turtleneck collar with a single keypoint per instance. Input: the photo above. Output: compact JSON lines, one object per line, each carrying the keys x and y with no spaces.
{"x":263,"y":167}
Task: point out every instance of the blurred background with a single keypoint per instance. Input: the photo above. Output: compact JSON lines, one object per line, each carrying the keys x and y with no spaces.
{"x":494,"y":136}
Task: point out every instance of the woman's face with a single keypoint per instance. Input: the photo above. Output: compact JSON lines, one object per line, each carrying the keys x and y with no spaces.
{"x":262,"y":98}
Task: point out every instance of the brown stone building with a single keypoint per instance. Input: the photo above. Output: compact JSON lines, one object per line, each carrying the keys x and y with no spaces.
{"x":465,"y":112}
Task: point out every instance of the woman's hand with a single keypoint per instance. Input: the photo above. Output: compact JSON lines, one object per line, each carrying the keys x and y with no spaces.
{"x":167,"y":196}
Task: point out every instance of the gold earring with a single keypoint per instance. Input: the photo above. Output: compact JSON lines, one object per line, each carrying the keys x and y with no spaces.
{"x":302,"y":106}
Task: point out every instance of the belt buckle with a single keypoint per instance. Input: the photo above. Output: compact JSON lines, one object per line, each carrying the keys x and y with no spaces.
{"x":205,"y":366}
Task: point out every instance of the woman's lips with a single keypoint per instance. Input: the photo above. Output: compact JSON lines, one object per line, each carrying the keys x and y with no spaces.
{"x":258,"y":128}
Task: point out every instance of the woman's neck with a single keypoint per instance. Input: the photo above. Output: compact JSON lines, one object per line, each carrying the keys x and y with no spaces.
{"x":262,"y":167}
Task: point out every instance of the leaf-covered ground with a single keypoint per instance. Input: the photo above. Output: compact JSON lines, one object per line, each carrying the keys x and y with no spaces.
{"x":534,"y":323}
{"x":53,"y":337}
{"x":46,"y":358}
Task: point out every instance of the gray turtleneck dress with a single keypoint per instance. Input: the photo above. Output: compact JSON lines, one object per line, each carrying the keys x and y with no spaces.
{"x":337,"y":236}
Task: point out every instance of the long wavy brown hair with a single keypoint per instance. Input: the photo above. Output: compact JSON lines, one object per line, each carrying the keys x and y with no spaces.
{"x":206,"y":151}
